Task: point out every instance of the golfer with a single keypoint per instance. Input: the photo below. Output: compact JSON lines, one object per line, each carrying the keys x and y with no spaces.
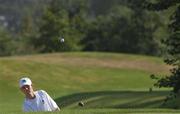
{"x":36,"y":100}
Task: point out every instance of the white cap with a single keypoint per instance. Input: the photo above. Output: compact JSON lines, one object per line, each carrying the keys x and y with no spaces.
{"x":24,"y":81}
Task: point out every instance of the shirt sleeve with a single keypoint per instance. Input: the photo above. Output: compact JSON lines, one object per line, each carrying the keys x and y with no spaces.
{"x":52,"y":103}
{"x":26,"y":108}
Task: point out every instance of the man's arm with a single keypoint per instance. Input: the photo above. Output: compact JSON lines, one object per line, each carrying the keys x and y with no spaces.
{"x":57,"y":109}
{"x":52,"y":103}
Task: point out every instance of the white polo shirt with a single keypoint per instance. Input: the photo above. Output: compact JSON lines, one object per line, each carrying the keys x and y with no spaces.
{"x":42,"y":102}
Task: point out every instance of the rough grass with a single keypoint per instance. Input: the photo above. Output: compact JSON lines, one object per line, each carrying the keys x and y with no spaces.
{"x":101,"y":80}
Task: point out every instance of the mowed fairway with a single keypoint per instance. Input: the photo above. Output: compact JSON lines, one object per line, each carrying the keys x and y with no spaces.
{"x":107,"y":83}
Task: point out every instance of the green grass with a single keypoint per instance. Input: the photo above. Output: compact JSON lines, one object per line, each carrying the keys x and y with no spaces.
{"x":110,"y":111}
{"x":105,"y":82}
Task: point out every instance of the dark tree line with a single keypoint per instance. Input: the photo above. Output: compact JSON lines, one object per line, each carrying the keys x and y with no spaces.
{"x":115,"y":26}
{"x":126,"y":29}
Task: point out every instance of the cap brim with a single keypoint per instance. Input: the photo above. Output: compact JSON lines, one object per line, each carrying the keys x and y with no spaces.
{"x":24,"y":84}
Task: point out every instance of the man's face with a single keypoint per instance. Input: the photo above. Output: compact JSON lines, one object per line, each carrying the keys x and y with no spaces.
{"x":27,"y":89}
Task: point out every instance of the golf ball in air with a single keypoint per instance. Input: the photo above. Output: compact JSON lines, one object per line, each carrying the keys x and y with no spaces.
{"x":62,"y":40}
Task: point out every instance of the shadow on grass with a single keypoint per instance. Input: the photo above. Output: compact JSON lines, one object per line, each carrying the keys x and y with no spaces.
{"x":114,"y":99}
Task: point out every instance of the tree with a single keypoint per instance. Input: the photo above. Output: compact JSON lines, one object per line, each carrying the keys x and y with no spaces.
{"x":6,"y":43}
{"x":127,"y":28}
{"x":24,"y":38}
{"x":172,"y":44}
{"x":63,"y":18}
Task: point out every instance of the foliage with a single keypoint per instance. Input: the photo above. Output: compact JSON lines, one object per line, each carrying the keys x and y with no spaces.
{"x":25,"y":36}
{"x":14,"y":11}
{"x":126,"y":28}
{"x":6,"y":44}
{"x":172,"y":43}
{"x":63,"y":19}
{"x":86,"y":25}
